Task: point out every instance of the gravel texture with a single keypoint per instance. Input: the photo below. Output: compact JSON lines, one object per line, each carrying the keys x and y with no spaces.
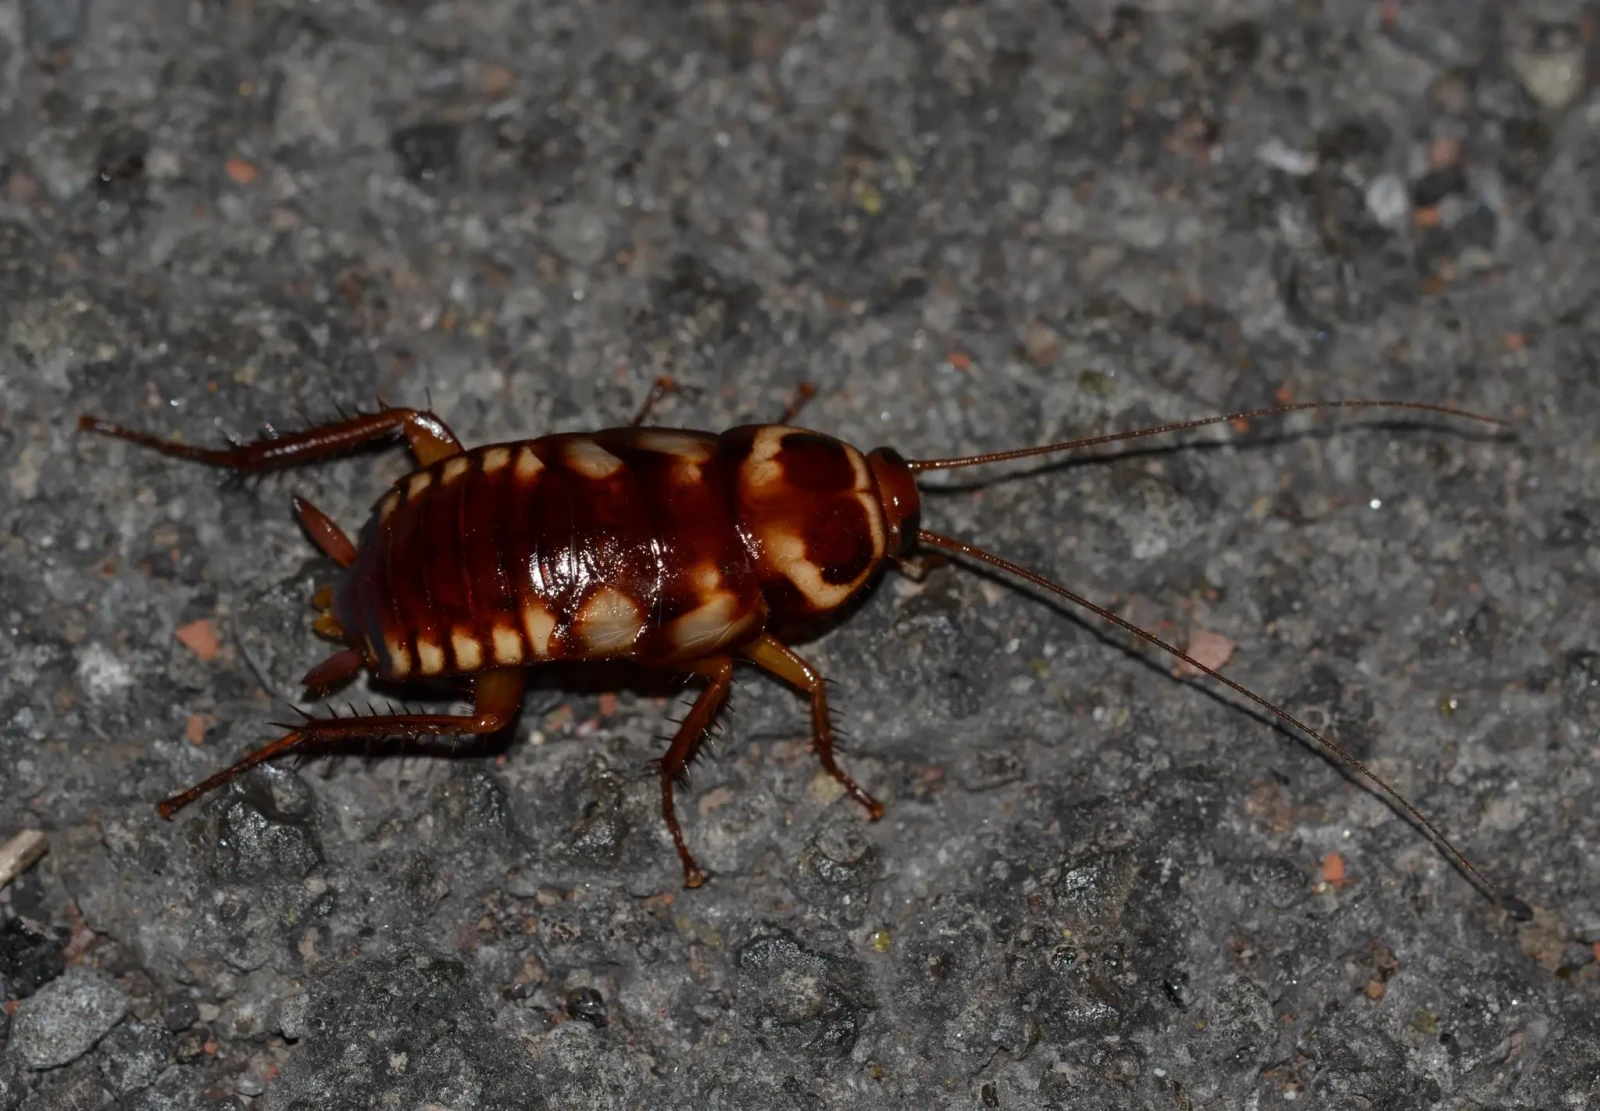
{"x":974,"y":225}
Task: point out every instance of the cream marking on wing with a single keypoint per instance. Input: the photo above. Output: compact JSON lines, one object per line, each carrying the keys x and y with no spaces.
{"x":869,"y":501}
{"x":390,"y":503}
{"x":880,"y":539}
{"x":507,"y":645}
{"x":858,"y":464}
{"x":691,"y":449}
{"x":399,"y":657}
{"x":495,"y":458}
{"x":454,"y":469}
{"x":788,"y":554}
{"x":528,"y":465}
{"x":418,"y":483}
{"x":430,"y":657}
{"x":538,"y":623}
{"x":707,"y":625}
{"x":589,"y":459}
{"x":469,"y":653}
{"x":609,"y":621}
{"x":761,"y":466}
{"x":707,"y":578}
{"x":686,"y":473}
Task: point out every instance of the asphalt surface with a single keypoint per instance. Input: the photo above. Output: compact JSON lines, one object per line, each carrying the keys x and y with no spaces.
{"x":1098,"y":883}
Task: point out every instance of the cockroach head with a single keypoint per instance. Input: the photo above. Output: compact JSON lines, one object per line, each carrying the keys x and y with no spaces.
{"x":897,"y":493}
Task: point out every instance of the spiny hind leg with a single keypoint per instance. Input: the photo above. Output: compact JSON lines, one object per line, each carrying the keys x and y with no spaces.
{"x":691,"y":731}
{"x":429,"y":437}
{"x":496,"y":695}
{"x":771,"y":654}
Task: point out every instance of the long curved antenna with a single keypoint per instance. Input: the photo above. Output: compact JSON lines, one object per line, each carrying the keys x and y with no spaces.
{"x":1512,"y":905}
{"x":1179,"y":426}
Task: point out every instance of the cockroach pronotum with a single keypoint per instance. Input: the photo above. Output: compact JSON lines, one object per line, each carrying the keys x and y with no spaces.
{"x":673,"y":549}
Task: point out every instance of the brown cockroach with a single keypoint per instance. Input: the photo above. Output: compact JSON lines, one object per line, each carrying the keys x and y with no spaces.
{"x":674,"y":549}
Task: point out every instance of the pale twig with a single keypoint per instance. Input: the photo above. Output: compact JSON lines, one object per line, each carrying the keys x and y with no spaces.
{"x":21,"y":853}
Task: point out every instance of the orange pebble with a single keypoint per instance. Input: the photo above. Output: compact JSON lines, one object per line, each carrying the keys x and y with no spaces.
{"x":200,"y":637}
{"x":240,"y":172}
{"x":1333,"y":869}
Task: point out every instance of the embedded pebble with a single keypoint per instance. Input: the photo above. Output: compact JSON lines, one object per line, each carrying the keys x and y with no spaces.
{"x":11,"y":1085}
{"x":64,"y":1019}
{"x":28,"y":960}
{"x":133,"y":1055}
{"x":1553,"y":78}
{"x":1387,"y":200}
{"x":578,"y":234}
{"x":57,"y":23}
{"x":1280,"y":156}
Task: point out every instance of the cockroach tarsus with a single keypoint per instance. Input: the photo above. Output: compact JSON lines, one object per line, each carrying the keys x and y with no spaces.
{"x":674,"y":549}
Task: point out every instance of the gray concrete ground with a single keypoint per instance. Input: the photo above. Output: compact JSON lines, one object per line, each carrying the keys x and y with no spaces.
{"x":1098,"y":885}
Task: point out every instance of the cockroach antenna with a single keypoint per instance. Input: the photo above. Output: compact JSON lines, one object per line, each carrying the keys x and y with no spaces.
{"x":919,"y":465}
{"x":1515,"y":907}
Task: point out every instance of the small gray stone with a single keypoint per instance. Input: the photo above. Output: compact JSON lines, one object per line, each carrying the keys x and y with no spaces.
{"x":1064,"y":215}
{"x":12,"y":1087}
{"x":1586,"y":924}
{"x":578,"y":1067}
{"x":578,"y":234}
{"x":1554,"y":78}
{"x":28,"y":960}
{"x":79,"y":1090}
{"x":133,"y":1055}
{"x":176,"y":1089}
{"x":292,"y":1016}
{"x":64,"y":1019}
{"x":836,"y":872}
{"x":53,"y":24}
{"x":1386,"y":197}
{"x":804,"y":999}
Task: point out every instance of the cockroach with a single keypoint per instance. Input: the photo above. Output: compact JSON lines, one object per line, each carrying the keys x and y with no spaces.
{"x":674,"y":549}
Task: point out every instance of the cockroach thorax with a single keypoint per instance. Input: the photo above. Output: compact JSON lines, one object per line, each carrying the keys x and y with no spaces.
{"x":897,"y":491}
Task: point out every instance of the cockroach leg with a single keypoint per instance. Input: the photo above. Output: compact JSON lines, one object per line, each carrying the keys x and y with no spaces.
{"x":338,"y":668}
{"x":496,"y":693}
{"x":803,"y":393}
{"x":324,"y":533}
{"x":430,"y":440}
{"x":692,"y":730}
{"x":771,"y":654}
{"x":917,"y":568}
{"x":659,"y":389}
{"x":327,"y":626}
